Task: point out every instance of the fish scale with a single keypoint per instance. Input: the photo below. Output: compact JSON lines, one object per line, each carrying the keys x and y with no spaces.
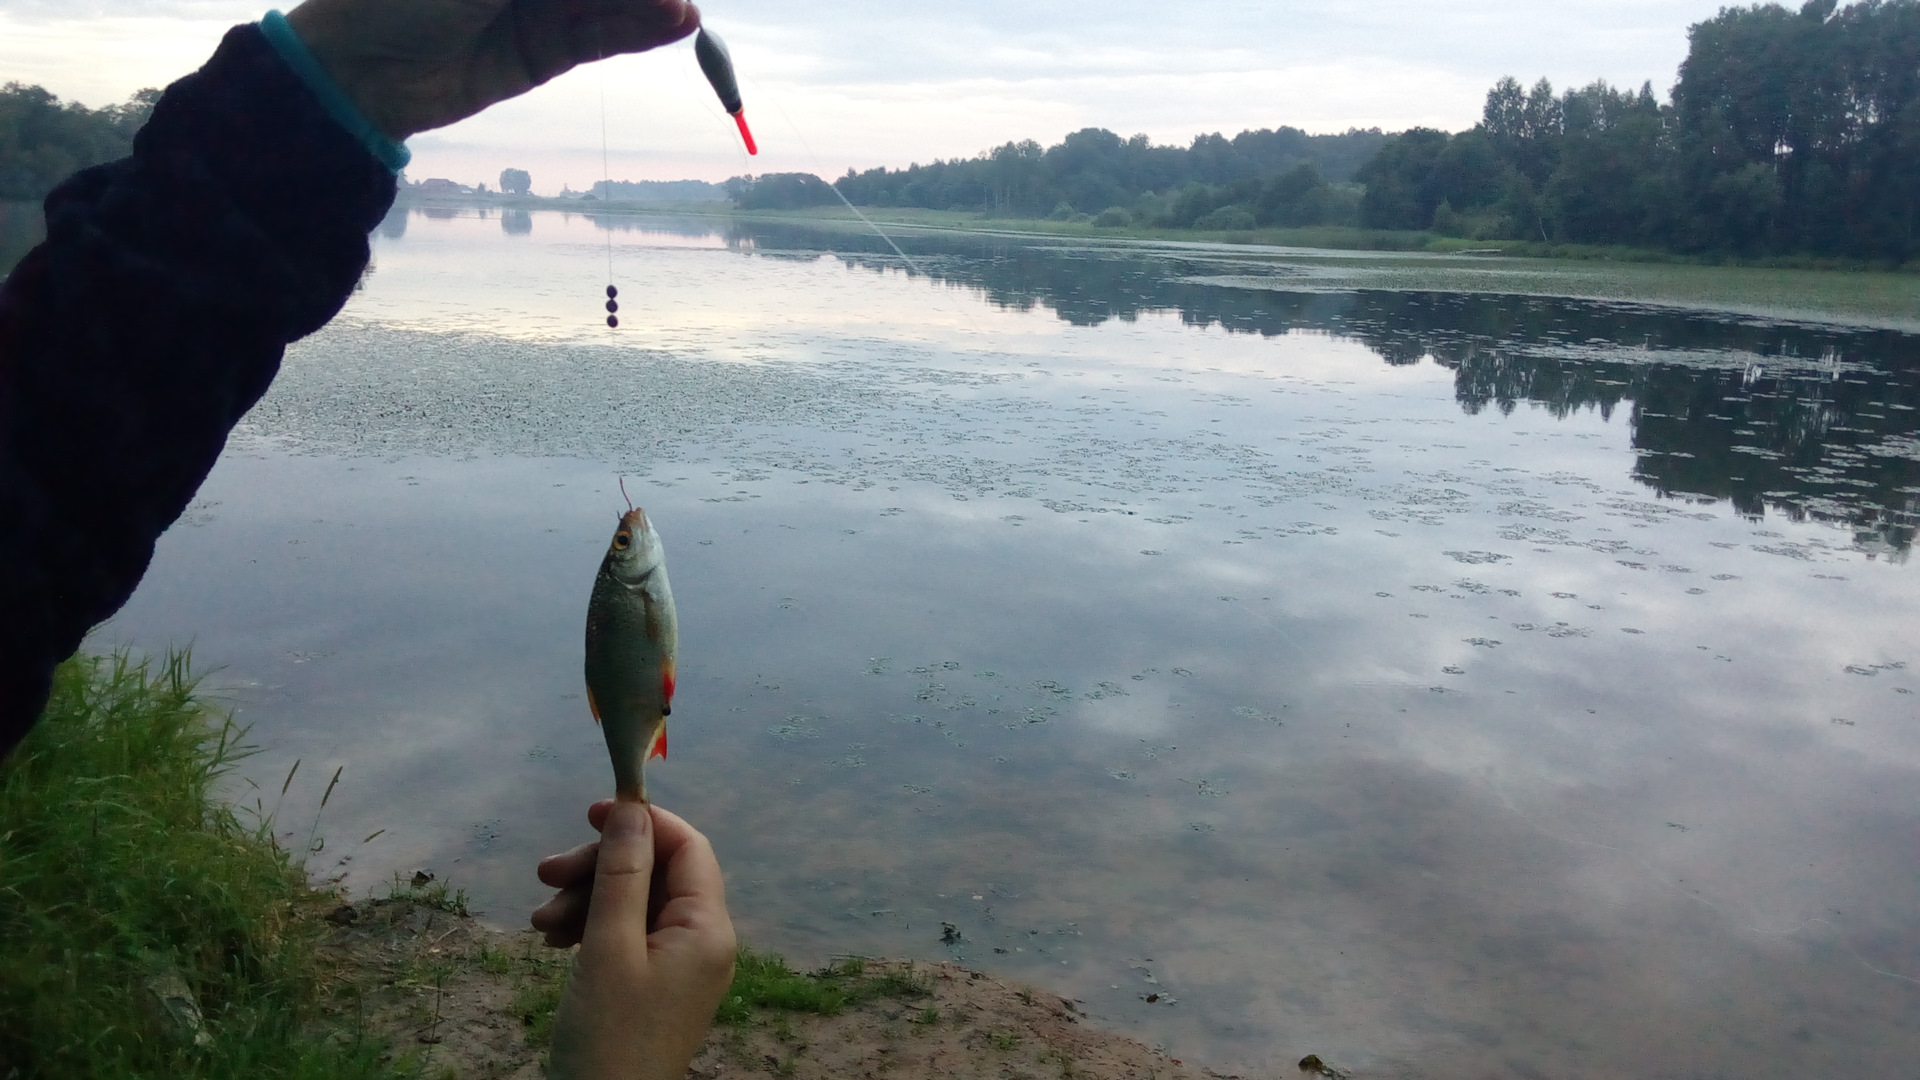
{"x":632,"y":640}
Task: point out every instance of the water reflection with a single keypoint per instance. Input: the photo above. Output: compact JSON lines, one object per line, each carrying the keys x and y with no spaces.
{"x":1807,"y":421}
{"x":1812,"y":421}
{"x":1156,"y":634}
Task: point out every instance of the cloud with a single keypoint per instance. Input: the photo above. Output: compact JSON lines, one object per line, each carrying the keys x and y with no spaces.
{"x":867,"y":83}
{"x":43,"y":11}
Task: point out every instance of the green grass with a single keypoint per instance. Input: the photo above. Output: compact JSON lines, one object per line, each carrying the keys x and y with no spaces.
{"x":494,"y":961}
{"x":1329,"y":237}
{"x":121,"y":871}
{"x":537,"y":995}
{"x":437,"y":895}
{"x":764,"y":982}
{"x":1342,"y":259}
{"x":1348,"y":238}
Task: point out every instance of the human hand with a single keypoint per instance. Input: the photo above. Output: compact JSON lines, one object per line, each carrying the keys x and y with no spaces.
{"x":414,"y":65}
{"x":647,"y":906}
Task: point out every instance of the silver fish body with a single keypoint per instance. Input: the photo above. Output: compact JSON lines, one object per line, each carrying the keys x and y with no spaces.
{"x":632,"y":638}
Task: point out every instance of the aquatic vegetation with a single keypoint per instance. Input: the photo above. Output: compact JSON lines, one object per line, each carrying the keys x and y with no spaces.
{"x":917,"y":708}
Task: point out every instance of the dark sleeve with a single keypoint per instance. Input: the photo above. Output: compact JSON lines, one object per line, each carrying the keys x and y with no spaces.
{"x":149,"y":321}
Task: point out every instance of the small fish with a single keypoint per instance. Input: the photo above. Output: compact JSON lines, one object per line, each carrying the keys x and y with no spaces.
{"x":632,"y":637}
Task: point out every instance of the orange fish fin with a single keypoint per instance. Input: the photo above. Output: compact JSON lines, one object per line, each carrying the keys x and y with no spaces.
{"x":666,"y":680}
{"x":592,"y":705}
{"x":659,"y":745}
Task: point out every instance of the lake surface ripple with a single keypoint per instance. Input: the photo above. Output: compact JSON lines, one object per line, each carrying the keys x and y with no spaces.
{"x":1445,"y":683}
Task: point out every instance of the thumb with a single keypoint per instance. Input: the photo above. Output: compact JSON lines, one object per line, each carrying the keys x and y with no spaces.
{"x":617,"y":916}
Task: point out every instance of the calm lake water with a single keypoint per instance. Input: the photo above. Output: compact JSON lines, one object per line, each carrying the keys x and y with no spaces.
{"x":1449,"y":684}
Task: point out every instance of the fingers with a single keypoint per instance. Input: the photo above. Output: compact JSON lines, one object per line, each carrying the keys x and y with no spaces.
{"x":673,"y":881}
{"x":569,"y":868}
{"x":554,"y":37}
{"x":692,"y":871}
{"x":563,"y":919}
{"x":648,"y":24}
{"x":692,"y":940}
{"x":617,"y":917}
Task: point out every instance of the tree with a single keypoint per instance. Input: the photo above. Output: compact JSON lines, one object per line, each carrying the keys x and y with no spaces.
{"x":1402,"y":186}
{"x":1094,"y":169}
{"x":779,"y":191}
{"x":1825,"y":101}
{"x":1789,"y":131}
{"x":43,"y":141}
{"x":516,"y":181}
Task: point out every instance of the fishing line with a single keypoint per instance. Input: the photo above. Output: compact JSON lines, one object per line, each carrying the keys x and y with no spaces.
{"x":965,"y":311}
{"x":714,"y":61}
{"x":606,"y":177}
{"x":821,"y":166}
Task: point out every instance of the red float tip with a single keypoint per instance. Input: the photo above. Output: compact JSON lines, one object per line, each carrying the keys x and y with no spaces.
{"x":740,"y":119}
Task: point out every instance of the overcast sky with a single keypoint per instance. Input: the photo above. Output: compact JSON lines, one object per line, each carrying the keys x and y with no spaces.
{"x":888,"y":82}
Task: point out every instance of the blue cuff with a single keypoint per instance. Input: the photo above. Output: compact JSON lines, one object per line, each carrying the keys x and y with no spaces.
{"x":279,"y":33}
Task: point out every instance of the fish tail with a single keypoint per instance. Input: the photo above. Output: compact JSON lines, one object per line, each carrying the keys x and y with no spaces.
{"x":630,"y":783}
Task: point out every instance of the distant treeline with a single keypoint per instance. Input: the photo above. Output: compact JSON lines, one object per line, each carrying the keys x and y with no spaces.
{"x":658,"y":191}
{"x":1283,"y":176}
{"x":43,"y":141}
{"x":1788,"y":132}
{"x":779,"y":191}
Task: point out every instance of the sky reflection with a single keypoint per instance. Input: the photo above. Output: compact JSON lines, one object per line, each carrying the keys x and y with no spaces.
{"x":1246,"y":670}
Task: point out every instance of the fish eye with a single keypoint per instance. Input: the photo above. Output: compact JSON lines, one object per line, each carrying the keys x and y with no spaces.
{"x":621,"y":539}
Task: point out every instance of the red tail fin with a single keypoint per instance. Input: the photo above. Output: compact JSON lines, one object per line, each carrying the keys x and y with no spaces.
{"x":659,"y":745}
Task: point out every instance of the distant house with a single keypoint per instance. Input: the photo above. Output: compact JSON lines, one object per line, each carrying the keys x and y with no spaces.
{"x":438,"y":186}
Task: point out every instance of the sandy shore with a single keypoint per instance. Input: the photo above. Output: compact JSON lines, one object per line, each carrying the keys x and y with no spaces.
{"x":473,"y":1000}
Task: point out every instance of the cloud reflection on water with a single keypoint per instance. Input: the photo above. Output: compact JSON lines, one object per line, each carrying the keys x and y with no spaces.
{"x":1354,"y":764}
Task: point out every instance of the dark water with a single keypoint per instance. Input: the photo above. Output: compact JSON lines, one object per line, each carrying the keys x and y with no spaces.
{"x":1446,"y":684}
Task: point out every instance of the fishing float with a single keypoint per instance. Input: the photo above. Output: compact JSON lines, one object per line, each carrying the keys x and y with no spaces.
{"x":716,"y":63}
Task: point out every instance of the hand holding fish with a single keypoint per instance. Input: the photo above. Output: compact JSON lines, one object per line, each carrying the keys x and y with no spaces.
{"x":643,"y":990}
{"x":417,"y":65}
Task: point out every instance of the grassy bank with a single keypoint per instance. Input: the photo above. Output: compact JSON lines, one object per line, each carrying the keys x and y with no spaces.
{"x":1325,"y":237}
{"x":764,"y":984}
{"x":1322,"y":260}
{"x":148,"y":931}
{"x":1318,"y":237}
{"x":145,"y":930}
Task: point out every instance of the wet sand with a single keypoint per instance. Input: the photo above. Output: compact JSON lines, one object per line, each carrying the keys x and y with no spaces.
{"x":455,"y":991}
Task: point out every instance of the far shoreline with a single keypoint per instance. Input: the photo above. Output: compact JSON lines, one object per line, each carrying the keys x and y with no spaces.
{"x":1855,"y":298}
{"x":1323,"y":237}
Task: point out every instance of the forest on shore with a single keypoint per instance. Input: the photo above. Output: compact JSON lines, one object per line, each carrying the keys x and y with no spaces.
{"x":44,"y":140}
{"x":1788,"y":132}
